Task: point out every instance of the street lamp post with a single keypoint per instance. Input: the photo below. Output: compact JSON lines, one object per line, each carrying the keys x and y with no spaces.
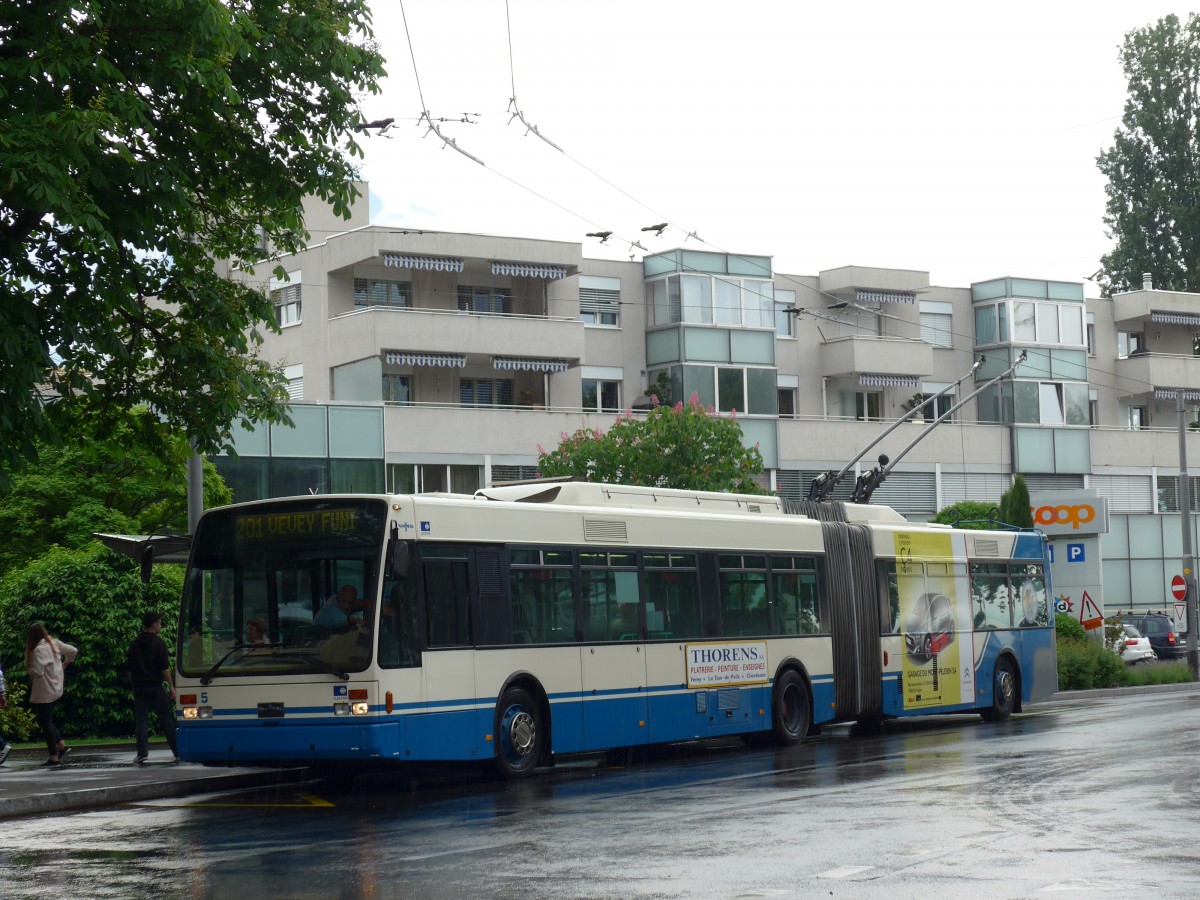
{"x":1189,"y":574}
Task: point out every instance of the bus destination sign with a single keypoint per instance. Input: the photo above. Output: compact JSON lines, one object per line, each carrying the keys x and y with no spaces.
{"x":289,"y":524}
{"x":715,"y":665}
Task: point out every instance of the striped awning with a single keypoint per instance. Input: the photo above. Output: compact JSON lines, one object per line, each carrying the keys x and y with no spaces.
{"x":1170,"y":393}
{"x":1167,"y":318}
{"x":409,"y":358}
{"x":904,"y":381}
{"x":861,"y":296}
{"x":525,"y":364}
{"x":529,"y":270}
{"x":430,"y":263}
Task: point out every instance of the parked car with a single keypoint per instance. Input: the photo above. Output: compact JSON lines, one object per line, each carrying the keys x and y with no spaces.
{"x":1134,"y":647}
{"x":1160,"y":628}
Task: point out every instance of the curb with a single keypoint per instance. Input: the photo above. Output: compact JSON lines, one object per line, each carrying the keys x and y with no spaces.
{"x":1183,"y":687}
{"x":54,"y":801}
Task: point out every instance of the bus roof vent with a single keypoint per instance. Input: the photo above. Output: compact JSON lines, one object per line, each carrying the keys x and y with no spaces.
{"x":605,"y":531}
{"x":987,"y":547}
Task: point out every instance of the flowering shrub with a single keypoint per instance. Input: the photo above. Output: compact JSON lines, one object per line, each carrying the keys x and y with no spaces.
{"x":685,"y":446}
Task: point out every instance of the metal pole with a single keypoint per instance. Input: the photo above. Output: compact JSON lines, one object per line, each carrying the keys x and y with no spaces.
{"x":195,"y":490}
{"x":1189,"y":575}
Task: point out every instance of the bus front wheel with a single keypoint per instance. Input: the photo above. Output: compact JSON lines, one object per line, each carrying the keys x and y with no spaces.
{"x":518,"y":733}
{"x":1004,"y":693}
{"x":790,"y":712}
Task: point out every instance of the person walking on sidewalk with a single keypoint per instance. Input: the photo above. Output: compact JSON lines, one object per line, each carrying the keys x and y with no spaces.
{"x":5,"y":746}
{"x":148,"y":665}
{"x":45,"y":659}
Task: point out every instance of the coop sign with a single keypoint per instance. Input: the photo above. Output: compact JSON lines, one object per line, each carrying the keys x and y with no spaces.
{"x":715,"y":665}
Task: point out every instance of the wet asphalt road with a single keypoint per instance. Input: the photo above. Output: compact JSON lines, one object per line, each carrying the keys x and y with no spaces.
{"x":1093,"y":798}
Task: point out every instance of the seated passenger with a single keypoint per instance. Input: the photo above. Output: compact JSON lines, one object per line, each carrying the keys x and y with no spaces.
{"x":256,"y":631}
{"x":333,"y":614}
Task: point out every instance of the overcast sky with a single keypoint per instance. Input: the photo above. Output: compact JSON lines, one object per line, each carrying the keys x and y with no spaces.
{"x":953,"y":137}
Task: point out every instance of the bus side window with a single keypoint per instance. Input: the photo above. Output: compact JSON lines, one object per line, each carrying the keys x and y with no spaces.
{"x":448,"y":602}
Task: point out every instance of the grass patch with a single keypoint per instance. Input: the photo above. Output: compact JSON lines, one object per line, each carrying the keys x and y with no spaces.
{"x":1159,"y":673}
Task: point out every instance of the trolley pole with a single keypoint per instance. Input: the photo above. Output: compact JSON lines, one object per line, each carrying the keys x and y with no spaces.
{"x":1189,"y":574}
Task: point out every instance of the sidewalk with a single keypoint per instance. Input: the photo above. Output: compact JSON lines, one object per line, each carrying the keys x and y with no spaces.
{"x":104,"y":776}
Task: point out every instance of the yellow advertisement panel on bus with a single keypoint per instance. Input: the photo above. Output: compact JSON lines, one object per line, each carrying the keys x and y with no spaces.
{"x":938,"y":657}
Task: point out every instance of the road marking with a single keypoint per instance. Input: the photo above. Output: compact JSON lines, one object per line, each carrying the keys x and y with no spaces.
{"x":311,"y":801}
{"x":845,"y":871}
{"x":1078,"y":884}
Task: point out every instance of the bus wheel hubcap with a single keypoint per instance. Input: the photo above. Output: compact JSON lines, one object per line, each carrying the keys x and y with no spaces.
{"x":520,"y":730}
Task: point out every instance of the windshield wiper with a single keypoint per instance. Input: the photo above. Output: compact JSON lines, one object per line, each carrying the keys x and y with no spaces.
{"x":207,"y":677}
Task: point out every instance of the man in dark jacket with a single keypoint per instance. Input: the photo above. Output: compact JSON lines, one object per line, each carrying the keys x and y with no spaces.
{"x":148,"y":666}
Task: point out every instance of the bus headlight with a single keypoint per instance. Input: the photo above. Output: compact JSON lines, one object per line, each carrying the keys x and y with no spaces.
{"x":341,"y":709}
{"x":190,"y":712}
{"x":360,"y":708}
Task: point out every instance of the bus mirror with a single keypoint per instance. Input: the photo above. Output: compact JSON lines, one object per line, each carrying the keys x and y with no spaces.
{"x":399,"y":559}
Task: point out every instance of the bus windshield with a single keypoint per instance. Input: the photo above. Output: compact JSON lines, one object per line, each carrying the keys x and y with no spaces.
{"x":282,"y":588}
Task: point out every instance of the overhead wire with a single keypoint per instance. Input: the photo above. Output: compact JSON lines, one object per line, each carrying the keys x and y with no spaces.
{"x":767,"y":272}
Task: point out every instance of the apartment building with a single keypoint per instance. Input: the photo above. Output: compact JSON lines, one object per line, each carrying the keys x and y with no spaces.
{"x":429,"y":361}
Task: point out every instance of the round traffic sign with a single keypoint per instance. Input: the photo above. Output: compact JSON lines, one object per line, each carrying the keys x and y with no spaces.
{"x":1179,"y":588}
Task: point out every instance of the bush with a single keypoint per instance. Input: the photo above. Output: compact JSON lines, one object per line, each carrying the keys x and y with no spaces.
{"x":93,"y":599}
{"x":17,"y":723}
{"x":1068,"y":627}
{"x":1082,"y":662}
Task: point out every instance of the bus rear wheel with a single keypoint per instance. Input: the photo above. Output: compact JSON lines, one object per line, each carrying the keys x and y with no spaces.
{"x":790,"y":711}
{"x":519,"y":733}
{"x":1004,"y":693}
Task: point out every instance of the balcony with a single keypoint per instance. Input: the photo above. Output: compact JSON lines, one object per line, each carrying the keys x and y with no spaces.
{"x":890,"y":357}
{"x":1142,"y":374}
{"x":372,"y":330}
{"x":1165,"y":307}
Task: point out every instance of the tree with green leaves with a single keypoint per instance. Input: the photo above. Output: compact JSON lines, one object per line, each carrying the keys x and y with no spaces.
{"x":970,"y":514}
{"x":1014,"y":504}
{"x":683,"y":446}
{"x":1153,"y":206}
{"x":142,"y":142}
{"x":94,"y":599}
{"x":129,"y":478}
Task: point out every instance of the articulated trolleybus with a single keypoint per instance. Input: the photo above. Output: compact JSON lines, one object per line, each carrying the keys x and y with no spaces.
{"x":536,"y":620}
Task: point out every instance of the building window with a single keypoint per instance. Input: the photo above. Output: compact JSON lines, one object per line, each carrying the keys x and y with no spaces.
{"x":787,"y":403}
{"x":397,"y":389}
{"x":930,"y":412}
{"x":867,"y":405}
{"x":936,"y":323}
{"x":484,"y":300}
{"x":1138,"y":418}
{"x":599,"y":300}
{"x":286,"y":300}
{"x":731,"y":390}
{"x":372,"y":292}
{"x":1091,"y":334}
{"x":1130,"y":343}
{"x":705,"y":299}
{"x":785,"y":302}
{"x":600,"y":395}
{"x":485,"y":392}
{"x":1050,"y":403}
{"x":295,"y":381}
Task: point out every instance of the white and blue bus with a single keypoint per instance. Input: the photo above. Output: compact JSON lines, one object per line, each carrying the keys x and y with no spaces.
{"x":532,"y":621}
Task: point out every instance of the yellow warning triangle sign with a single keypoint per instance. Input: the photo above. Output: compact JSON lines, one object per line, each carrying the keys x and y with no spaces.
{"x":1089,"y":613}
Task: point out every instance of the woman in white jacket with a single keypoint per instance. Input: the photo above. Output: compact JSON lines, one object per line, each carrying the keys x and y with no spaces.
{"x":45,"y":658}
